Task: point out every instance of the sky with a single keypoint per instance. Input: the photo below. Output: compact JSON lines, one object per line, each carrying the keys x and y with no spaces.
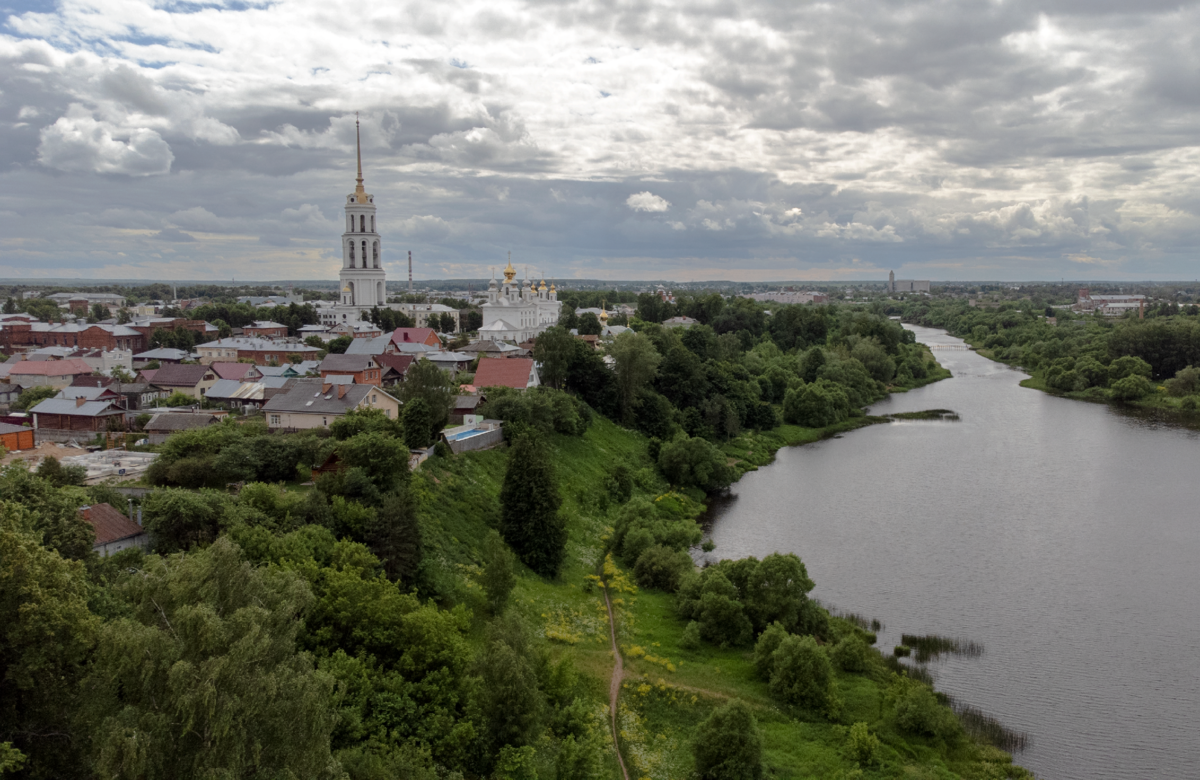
{"x":605,"y":139}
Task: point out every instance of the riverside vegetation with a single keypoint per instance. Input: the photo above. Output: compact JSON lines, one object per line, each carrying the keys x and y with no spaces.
{"x":451,"y":622}
{"x":1151,"y":363}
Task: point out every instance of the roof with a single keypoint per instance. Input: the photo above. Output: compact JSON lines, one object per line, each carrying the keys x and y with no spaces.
{"x":310,"y":396}
{"x":232,"y":389}
{"x":179,"y":375}
{"x":399,"y":363}
{"x":51,"y":367}
{"x":231,"y":370}
{"x":371,"y":346}
{"x":284,"y":370}
{"x":506,"y":372}
{"x":179,"y":421}
{"x":353,"y":363}
{"x":264,"y":324}
{"x":89,"y":393}
{"x":10,"y":428}
{"x":109,"y":524}
{"x":467,"y":401}
{"x":163,"y":353}
{"x":149,"y":373}
{"x":413,"y":335}
{"x":71,"y":408}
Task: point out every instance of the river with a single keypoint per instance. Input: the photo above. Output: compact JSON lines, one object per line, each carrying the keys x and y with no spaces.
{"x":1064,"y":536}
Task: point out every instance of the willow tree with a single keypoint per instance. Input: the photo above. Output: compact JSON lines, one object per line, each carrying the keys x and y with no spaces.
{"x":203,"y":678}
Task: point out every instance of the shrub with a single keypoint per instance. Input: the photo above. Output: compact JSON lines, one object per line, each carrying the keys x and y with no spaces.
{"x":728,"y":745}
{"x":662,"y":568}
{"x":919,"y":712}
{"x":764,"y":649}
{"x":620,"y":483}
{"x":801,"y":673}
{"x":1190,"y":404}
{"x":1131,"y":388}
{"x":851,"y":654}
{"x":862,"y":746}
{"x":1186,"y":382}
{"x":694,"y":462}
{"x":691,"y":637}
{"x":1127,"y":366}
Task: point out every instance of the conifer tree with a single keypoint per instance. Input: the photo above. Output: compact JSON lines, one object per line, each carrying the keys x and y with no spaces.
{"x":417,"y":422}
{"x":394,"y":535}
{"x":529,"y":508}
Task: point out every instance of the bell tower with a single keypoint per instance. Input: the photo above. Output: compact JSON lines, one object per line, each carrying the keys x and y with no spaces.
{"x":363,"y":280}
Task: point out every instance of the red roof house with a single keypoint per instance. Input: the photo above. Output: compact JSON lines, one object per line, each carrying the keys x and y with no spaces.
{"x":519,"y":373}
{"x":55,"y":373}
{"x":114,"y":531}
{"x":416,"y":336}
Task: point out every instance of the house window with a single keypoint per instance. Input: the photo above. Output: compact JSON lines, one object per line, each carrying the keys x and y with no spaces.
{"x":274,"y":419}
{"x":374,"y":398}
{"x":325,"y":421}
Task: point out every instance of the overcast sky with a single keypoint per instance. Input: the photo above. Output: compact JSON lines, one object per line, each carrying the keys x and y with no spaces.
{"x":619,"y":139}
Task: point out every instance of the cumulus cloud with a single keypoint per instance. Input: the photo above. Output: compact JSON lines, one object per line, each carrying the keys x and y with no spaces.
{"x":77,"y":143}
{"x":814,"y":134}
{"x":647,"y":201}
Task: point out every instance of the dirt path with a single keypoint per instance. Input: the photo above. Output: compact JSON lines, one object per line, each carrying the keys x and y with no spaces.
{"x":614,"y":688}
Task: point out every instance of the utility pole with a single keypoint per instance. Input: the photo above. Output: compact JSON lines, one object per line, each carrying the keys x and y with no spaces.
{"x":410,"y":272}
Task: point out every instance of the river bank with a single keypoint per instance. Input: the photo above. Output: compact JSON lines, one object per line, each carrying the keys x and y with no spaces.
{"x":1054,"y":534}
{"x":667,"y":684}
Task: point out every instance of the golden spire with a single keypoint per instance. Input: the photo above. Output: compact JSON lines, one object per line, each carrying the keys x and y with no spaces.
{"x":510,"y":273}
{"x":543,"y":287}
{"x":360,"y":194}
{"x":603,"y":313}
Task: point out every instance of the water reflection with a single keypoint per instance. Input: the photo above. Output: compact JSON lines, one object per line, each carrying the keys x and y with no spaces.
{"x":1059,"y":534}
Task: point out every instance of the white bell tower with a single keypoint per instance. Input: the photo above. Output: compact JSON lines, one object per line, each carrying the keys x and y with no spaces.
{"x":364,"y":282}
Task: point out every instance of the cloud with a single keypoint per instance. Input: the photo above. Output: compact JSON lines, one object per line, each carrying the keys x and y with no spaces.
{"x":647,"y":201}
{"x":77,"y":143}
{"x":173,"y":235}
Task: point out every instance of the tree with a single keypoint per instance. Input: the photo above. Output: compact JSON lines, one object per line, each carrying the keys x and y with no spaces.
{"x":425,"y":380}
{"x":509,"y":699}
{"x":801,"y":672}
{"x":10,"y":306}
{"x":98,"y":312}
{"x":179,"y":519}
{"x":58,"y":475}
{"x":1131,"y":388}
{"x":694,"y":462}
{"x":417,"y":424}
{"x":589,"y":325}
{"x":43,"y":309}
{"x":33,"y":396}
{"x":48,"y":512}
{"x":446,"y":322}
{"x":394,"y":536}
{"x":498,"y":576}
{"x":816,"y":405}
{"x":46,"y":638}
{"x":728,"y":745}
{"x":203,"y":678}
{"x":382,"y":459}
{"x":339,"y":345}
{"x":1128,"y":366}
{"x":553,"y":351}
{"x":315,"y":341}
{"x":530,"y":520}
{"x":472,"y":320}
{"x":358,"y":421}
{"x":636,"y":363}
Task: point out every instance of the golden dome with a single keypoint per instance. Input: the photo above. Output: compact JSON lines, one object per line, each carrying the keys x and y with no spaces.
{"x":510,"y":273}
{"x":543,"y":287}
{"x":346,"y":288}
{"x":552,"y":287}
{"x":603,"y":315}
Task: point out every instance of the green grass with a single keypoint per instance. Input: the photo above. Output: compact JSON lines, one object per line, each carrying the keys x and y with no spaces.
{"x":668,"y":690}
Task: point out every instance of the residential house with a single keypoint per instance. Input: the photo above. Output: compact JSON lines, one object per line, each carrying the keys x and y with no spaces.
{"x":261,"y":351}
{"x":164,"y":355}
{"x":393,"y":368}
{"x":242,"y":372}
{"x":313,"y":403}
{"x":114,"y":531}
{"x":265,"y":329}
{"x":189,"y":379}
{"x":464,"y":405}
{"x":9,"y":393}
{"x":421,"y":312}
{"x":380,"y":345}
{"x":73,"y":392}
{"x":519,"y":373}
{"x":359,"y":330}
{"x":166,"y":423}
{"x":58,"y":419}
{"x":426,"y":336}
{"x":47,"y":373}
{"x":363,"y":368}
{"x":138,"y":395}
{"x":679,"y":322}
{"x":233,"y":393}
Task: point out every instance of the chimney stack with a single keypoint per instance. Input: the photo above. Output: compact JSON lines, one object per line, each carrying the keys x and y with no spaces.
{"x":341,"y":392}
{"x":80,"y":401}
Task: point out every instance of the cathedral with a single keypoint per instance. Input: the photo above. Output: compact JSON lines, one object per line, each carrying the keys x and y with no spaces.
{"x":363,"y":280}
{"x":514,"y":312}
